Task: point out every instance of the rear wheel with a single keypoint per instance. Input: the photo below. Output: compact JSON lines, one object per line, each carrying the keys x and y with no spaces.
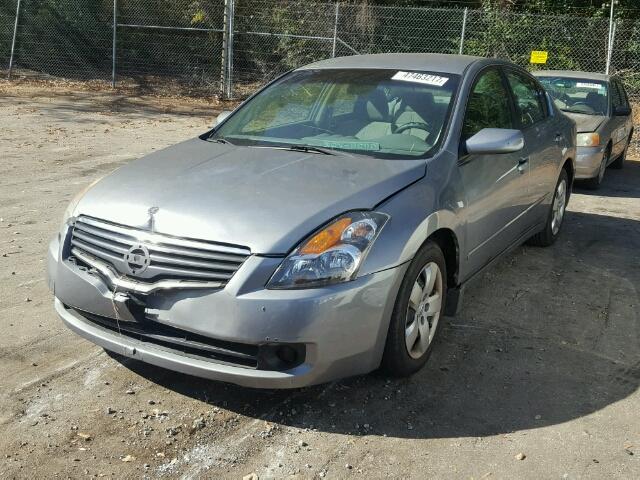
{"x":549,"y":235}
{"x":417,"y":314}
{"x":595,"y":182}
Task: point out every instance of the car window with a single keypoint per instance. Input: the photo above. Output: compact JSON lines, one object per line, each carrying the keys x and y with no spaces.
{"x":529,"y":99}
{"x":616,"y":97}
{"x":488,"y":105}
{"x":578,"y":95}
{"x":286,"y":107}
{"x":623,"y":93}
{"x":382,"y":113}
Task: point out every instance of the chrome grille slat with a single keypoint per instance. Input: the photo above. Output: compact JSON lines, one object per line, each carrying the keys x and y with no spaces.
{"x":146,"y":236}
{"x":170,"y":257}
{"x":102,"y":238}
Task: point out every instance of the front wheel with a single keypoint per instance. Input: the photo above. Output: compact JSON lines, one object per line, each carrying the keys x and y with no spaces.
{"x":618,"y":163}
{"x":549,"y":234}
{"x":595,"y":182}
{"x":417,"y":314}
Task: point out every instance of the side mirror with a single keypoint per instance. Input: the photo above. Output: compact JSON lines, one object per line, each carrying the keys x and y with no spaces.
{"x":495,"y":140}
{"x":221,"y":116}
{"x":622,"y":111}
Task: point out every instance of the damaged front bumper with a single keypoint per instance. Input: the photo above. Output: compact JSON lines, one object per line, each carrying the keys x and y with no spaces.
{"x":241,"y":333}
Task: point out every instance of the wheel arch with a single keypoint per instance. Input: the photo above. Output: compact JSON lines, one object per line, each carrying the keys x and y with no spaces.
{"x":447,"y":240}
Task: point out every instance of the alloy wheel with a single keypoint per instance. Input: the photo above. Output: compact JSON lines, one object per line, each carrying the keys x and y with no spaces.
{"x":559,"y":206}
{"x":424,"y":309}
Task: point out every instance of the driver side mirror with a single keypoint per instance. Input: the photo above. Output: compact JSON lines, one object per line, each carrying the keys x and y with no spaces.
{"x":221,"y":117}
{"x":622,"y":111}
{"x":495,"y":141}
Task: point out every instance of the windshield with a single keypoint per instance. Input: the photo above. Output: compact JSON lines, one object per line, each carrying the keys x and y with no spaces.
{"x":576,"y":95}
{"x":380,"y":113}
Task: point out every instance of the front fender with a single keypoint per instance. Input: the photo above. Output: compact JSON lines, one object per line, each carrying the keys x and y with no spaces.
{"x":414,"y":218}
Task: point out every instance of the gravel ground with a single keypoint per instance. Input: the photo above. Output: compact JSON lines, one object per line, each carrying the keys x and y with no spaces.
{"x":537,"y":377}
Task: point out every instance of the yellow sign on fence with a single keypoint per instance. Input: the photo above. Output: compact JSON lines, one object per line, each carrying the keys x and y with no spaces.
{"x":539,"y":56}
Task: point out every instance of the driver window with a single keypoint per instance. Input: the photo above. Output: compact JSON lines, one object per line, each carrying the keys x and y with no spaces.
{"x":616,"y":95}
{"x":529,"y":101}
{"x":488,"y":105}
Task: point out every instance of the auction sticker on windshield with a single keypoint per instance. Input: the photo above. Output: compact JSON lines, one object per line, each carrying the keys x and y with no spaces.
{"x":595,"y":86}
{"x":418,"y":77}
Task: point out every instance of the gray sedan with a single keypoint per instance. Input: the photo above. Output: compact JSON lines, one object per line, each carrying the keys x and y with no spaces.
{"x":600,"y":107}
{"x":324,"y":228}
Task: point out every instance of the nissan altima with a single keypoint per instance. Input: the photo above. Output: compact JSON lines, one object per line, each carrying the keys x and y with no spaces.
{"x":325,"y":228}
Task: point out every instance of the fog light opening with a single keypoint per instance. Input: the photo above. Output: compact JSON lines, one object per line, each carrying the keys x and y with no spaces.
{"x":287,"y":354}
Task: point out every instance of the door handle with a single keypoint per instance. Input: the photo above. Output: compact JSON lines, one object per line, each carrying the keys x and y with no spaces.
{"x":558,"y":138}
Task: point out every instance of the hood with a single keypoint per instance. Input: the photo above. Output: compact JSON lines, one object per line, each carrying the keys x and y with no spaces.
{"x":586,"y":123}
{"x":262,"y":198}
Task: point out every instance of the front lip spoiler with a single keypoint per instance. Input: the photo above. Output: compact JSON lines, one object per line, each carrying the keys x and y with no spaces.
{"x":122,"y":283}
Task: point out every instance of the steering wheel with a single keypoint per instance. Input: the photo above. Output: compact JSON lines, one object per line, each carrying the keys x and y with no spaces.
{"x":419,"y":125}
{"x":585,"y":106}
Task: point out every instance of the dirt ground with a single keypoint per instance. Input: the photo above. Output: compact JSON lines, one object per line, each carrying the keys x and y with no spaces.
{"x":543,"y":360}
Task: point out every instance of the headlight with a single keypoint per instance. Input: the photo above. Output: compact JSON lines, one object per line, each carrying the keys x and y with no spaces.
{"x":331,"y":255}
{"x":588,"y":139}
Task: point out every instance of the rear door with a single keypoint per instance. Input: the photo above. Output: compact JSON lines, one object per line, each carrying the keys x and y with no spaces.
{"x":543,"y":137}
{"x":496,"y":186}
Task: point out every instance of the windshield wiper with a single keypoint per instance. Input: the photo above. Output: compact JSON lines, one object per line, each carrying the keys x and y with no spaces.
{"x":309,"y":149}
{"x":220,"y":140}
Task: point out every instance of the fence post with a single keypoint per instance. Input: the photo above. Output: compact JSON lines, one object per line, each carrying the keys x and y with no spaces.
{"x":113,"y":45}
{"x":610,"y":45}
{"x":464,"y":29}
{"x":13,"y":41}
{"x":612,"y":40}
{"x":227,"y":49}
{"x":335,"y":30}
{"x":232,"y":13}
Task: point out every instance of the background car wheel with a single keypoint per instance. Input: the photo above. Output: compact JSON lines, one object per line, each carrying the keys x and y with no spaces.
{"x":618,"y":163}
{"x":555,"y":218}
{"x":417,"y":314}
{"x":595,"y":182}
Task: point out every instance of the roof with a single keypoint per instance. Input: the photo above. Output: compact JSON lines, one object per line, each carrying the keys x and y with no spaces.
{"x":433,"y":62}
{"x":573,"y":74}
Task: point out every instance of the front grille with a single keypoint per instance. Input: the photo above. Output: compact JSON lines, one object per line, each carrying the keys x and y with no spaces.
{"x":180,"y":341}
{"x":170,"y":257}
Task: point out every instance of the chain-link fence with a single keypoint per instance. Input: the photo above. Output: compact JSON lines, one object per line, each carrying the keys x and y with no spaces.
{"x":234,"y":46}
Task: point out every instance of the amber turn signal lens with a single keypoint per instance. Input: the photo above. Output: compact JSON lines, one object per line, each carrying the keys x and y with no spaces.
{"x":325,"y":238}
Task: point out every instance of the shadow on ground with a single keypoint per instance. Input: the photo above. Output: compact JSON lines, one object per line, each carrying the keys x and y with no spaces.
{"x":616,"y":183}
{"x":547,"y":336}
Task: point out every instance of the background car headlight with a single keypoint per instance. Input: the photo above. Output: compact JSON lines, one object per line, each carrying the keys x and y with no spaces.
{"x":333,"y":254}
{"x":591,"y":139}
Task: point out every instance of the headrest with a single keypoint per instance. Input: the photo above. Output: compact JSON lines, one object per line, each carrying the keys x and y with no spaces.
{"x":374,"y":106}
{"x":421,"y":103}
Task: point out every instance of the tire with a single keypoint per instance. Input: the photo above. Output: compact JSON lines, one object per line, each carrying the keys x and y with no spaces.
{"x":595,"y":182}
{"x":553,"y":225}
{"x":618,"y":163}
{"x":400,"y":359}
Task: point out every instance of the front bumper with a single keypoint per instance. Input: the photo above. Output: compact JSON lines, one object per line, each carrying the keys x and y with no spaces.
{"x":343,"y":327}
{"x":588,"y":162}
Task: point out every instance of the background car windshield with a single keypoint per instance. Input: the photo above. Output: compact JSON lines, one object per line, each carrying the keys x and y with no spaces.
{"x":577,"y":95}
{"x":382,"y":113}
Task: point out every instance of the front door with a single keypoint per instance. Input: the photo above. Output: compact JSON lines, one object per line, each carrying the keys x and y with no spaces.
{"x":543,"y":140}
{"x":496,"y":186}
